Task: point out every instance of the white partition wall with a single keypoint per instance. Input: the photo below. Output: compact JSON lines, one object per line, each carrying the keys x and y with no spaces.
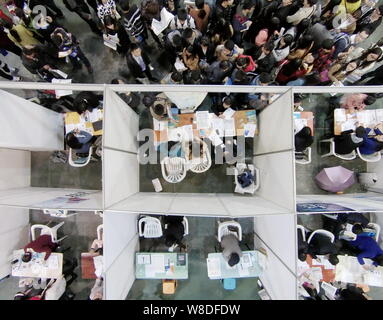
{"x":28,"y":126}
{"x":120,"y":162}
{"x":275,"y":124}
{"x":14,"y":234}
{"x":278,"y":280}
{"x":120,"y":244}
{"x":15,"y":169}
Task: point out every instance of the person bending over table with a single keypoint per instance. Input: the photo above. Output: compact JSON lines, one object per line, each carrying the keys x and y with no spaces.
{"x":86,"y":101}
{"x":303,"y":139}
{"x":160,"y":109}
{"x":80,"y":141}
{"x":349,"y":140}
{"x":174,"y":232}
{"x":231,"y":250}
{"x":368,"y":248}
{"x":372,"y":144}
{"x":42,"y":244}
{"x":322,"y":245}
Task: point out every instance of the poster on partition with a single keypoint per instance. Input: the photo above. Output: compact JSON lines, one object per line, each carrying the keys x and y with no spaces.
{"x":321,"y":207}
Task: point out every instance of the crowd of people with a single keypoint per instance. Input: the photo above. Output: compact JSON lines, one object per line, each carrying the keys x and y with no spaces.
{"x":232,"y":42}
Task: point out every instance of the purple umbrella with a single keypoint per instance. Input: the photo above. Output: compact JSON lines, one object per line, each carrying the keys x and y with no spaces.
{"x":335,"y":179}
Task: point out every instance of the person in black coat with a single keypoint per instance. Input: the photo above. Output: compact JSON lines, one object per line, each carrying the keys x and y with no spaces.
{"x":303,"y":139}
{"x":322,"y":245}
{"x":113,"y":28}
{"x":82,"y":9}
{"x":139,"y":63}
{"x":174,"y":231}
{"x":348,"y":141}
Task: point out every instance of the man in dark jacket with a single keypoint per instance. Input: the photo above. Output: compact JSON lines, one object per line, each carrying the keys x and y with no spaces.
{"x":133,"y":21}
{"x":322,"y":245}
{"x":139,"y":63}
{"x":36,"y":59}
{"x":368,"y":248}
{"x":303,"y":139}
{"x":174,"y":231}
{"x":348,"y":141}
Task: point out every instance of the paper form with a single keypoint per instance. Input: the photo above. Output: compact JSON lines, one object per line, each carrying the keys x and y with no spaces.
{"x":215,"y":139}
{"x":175,"y":134}
{"x":329,"y":289}
{"x":373,"y":278}
{"x":229,"y":127}
{"x":317,"y":273}
{"x":246,"y":260}
{"x":203,"y":120}
{"x":158,"y":263}
{"x":53,"y":262}
{"x":218,"y":126}
{"x":213,"y":267}
{"x":94,"y":116}
{"x":299,"y":124}
{"x":340,"y":115}
{"x":62,"y":93}
{"x":143,"y":259}
{"x":348,"y":125}
{"x":250,"y":130}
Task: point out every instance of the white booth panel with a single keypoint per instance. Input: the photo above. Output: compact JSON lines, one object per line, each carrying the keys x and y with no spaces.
{"x":14,"y":234}
{"x":362,"y":202}
{"x":120,"y":124}
{"x":275,"y":125}
{"x":28,"y":126}
{"x":246,"y":206}
{"x":52,"y":198}
{"x":121,"y":176}
{"x":120,"y":229}
{"x":200,"y":204}
{"x":277,"y":178}
{"x":279,"y":282}
{"x":15,"y":168}
{"x":279,"y":233}
{"x":120,"y":276}
{"x":146,"y":202}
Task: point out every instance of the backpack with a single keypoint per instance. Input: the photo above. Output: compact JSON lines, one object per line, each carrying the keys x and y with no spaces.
{"x":245,"y":179}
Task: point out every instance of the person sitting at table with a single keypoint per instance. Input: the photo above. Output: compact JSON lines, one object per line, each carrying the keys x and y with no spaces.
{"x":322,"y":245}
{"x":371,"y":144}
{"x":160,"y":109}
{"x":232,"y":253}
{"x":174,"y":232}
{"x":43,"y":243}
{"x":349,"y":140}
{"x":222,"y":105}
{"x":86,"y":100}
{"x":80,"y":141}
{"x":368,"y":248}
{"x":303,"y":139}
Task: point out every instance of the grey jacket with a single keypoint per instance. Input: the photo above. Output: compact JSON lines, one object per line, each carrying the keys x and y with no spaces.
{"x":230,"y":245}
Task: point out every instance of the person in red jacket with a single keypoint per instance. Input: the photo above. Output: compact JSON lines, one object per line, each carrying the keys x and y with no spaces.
{"x":43,"y":243}
{"x":245,"y":63}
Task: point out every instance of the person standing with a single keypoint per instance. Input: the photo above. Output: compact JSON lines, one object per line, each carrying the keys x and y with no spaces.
{"x":133,"y":21}
{"x":139,"y":64}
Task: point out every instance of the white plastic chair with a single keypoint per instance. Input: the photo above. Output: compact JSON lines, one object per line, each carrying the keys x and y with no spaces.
{"x":302,"y":230}
{"x":100,"y":232}
{"x":173,"y":169}
{"x":322,"y":232}
{"x":99,"y":213}
{"x":185,"y":222}
{"x":59,"y":213}
{"x":223,"y":229}
{"x":375,"y":157}
{"x":152,"y":228}
{"x":240,"y":167}
{"x":47,"y":230}
{"x":307,"y":156}
{"x":349,"y":156}
{"x":199,"y":165}
{"x":376,"y":228}
{"x":79,"y":162}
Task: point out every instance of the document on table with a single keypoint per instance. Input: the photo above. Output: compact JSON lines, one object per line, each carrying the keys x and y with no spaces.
{"x":53,"y":262}
{"x":229,"y":125}
{"x":215,"y":139}
{"x":246,"y":261}
{"x":250,"y":130}
{"x":213,"y":267}
{"x":188,"y":133}
{"x":329,"y":289}
{"x":98,"y":265}
{"x":371,"y":117}
{"x":340,"y":115}
{"x":158,"y":263}
{"x":143,"y":259}
{"x":70,"y":127}
{"x":299,"y":124}
{"x":203,"y":119}
{"x":317,"y":273}
{"x":379,"y":115}
{"x":94,"y":116}
{"x":228,"y":114}
{"x":303,"y":266}
{"x":348,"y":125}
{"x":175,"y":134}
{"x":373,"y":278}
{"x":218,"y":126}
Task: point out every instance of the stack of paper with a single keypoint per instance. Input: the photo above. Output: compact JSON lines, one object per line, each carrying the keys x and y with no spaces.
{"x":165,"y":18}
{"x":62,"y":93}
{"x":229,"y":126}
{"x":213,"y":267}
{"x":203,"y":119}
